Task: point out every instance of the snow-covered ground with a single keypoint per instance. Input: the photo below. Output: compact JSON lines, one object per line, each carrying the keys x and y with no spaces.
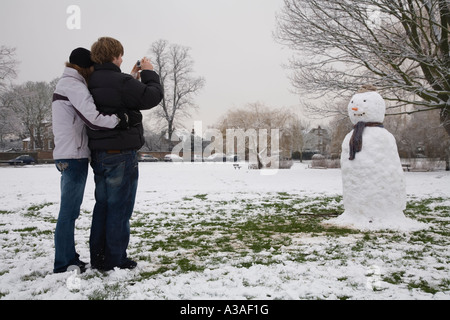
{"x":210,"y":231}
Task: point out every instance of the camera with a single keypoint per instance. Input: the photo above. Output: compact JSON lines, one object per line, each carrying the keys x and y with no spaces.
{"x":138,"y":63}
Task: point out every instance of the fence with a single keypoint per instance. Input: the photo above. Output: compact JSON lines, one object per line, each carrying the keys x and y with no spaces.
{"x":411,"y":164}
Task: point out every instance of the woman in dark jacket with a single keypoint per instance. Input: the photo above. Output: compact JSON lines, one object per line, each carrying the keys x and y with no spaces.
{"x":114,"y":153}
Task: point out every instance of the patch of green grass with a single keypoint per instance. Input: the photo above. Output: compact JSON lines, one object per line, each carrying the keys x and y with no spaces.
{"x":395,"y":277}
{"x":110,"y":291}
{"x":423,"y":286}
{"x":422,"y":237}
{"x":201,"y":196}
{"x":425,"y":209}
{"x":186,"y":265}
{"x":32,"y":276}
{"x":38,"y":207}
{"x":445,"y":284}
{"x":150,"y":274}
{"x":251,"y":228}
{"x":25,"y":230}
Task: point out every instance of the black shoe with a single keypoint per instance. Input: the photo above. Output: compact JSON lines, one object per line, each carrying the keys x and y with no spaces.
{"x":84,"y":264}
{"x":129,"y":264}
{"x":98,"y":262}
{"x":99,"y":267}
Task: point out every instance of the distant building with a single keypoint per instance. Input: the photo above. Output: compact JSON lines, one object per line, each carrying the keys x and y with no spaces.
{"x":43,"y":140}
{"x":316,"y":141}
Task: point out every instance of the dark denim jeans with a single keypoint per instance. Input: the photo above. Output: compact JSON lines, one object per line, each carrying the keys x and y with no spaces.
{"x":73,"y":181}
{"x":116,"y":179}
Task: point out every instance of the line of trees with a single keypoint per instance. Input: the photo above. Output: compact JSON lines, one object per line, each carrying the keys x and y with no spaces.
{"x":25,"y":109}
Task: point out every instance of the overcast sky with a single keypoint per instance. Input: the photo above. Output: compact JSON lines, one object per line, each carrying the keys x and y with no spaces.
{"x":231,"y":43}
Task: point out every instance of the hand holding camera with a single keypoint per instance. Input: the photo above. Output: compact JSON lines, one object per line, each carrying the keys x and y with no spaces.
{"x":143,"y":64}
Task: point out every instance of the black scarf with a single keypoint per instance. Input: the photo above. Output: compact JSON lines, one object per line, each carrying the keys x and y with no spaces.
{"x":356,"y":139}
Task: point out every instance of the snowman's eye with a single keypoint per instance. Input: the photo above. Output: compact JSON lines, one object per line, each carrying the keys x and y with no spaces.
{"x":352,"y":101}
{"x":365,"y":100}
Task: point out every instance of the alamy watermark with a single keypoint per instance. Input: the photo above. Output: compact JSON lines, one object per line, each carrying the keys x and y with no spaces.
{"x":73,"y":282}
{"x":73,"y":21}
{"x":373,"y":275}
{"x":260,"y":147}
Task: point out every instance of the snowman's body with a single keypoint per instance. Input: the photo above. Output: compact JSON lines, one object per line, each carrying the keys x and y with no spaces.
{"x":374,"y":192}
{"x":373,"y":183}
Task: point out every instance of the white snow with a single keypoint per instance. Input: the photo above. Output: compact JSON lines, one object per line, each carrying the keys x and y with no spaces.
{"x":307,"y":266}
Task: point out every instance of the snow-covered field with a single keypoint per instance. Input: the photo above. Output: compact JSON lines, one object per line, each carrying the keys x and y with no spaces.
{"x":209,"y":231}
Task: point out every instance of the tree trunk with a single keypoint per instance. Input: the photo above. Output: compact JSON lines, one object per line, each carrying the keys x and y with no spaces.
{"x":445,"y":119}
{"x":169,"y":133}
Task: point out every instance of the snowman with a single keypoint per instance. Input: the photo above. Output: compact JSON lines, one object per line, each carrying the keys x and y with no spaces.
{"x":374,"y":192}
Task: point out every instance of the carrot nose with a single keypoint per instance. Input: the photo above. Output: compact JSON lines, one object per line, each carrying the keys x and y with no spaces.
{"x":355,"y":109}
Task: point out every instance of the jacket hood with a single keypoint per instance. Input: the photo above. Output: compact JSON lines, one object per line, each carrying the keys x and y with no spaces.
{"x":72,"y":73}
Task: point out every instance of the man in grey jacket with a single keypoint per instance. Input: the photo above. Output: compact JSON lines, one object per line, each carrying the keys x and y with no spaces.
{"x":73,"y":109}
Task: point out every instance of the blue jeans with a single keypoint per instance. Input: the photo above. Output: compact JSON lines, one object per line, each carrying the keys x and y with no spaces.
{"x":73,"y":181}
{"x":116,"y":179}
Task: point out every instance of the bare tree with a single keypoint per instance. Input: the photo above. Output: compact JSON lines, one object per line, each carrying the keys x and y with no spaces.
{"x":8,"y":120}
{"x":339,"y":127}
{"x":31,"y":103}
{"x":254,"y":123}
{"x":421,"y":136}
{"x":400,"y":46}
{"x":8,"y":65}
{"x":173,"y":63}
{"x":10,"y":126}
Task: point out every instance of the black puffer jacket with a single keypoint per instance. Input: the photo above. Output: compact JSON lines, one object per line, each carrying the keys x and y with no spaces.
{"x":116,"y":92}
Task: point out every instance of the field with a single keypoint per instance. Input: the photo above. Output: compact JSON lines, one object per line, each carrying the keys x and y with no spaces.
{"x":210,"y":231}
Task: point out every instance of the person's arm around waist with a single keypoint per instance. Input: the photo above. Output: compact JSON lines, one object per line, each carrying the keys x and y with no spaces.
{"x":83,"y":103}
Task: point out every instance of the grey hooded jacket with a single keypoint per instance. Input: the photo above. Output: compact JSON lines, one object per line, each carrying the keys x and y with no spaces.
{"x":73,"y":109}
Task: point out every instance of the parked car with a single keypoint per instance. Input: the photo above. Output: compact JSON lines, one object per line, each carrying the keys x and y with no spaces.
{"x":147,"y":158}
{"x":197,"y":158}
{"x":216,"y":157}
{"x":232,"y":158}
{"x":172,"y":158}
{"x":285,"y":163}
{"x":24,"y":159}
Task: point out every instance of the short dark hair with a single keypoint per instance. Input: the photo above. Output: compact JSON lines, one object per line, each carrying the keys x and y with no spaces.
{"x":105,"y":50}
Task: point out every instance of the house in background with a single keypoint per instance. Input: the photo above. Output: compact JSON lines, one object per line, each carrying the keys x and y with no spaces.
{"x":41,"y":140}
{"x":316,"y":141}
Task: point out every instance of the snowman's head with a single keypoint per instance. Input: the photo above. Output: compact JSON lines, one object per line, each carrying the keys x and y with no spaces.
{"x":367,"y":107}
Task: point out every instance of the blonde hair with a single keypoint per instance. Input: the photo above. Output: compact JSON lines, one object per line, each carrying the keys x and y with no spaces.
{"x":106,"y":49}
